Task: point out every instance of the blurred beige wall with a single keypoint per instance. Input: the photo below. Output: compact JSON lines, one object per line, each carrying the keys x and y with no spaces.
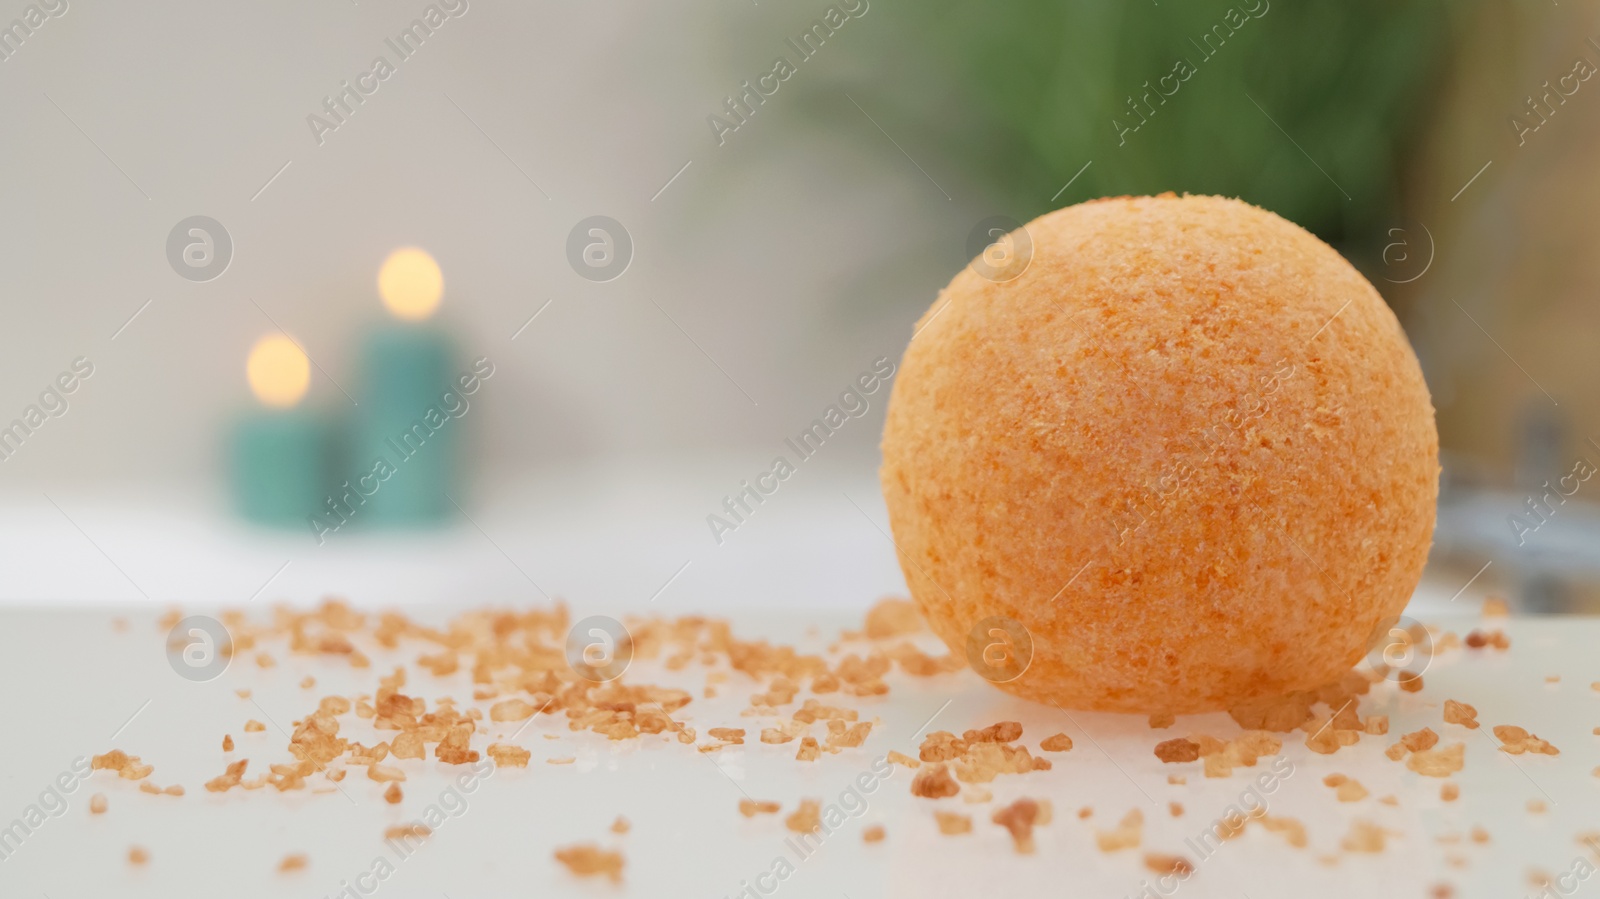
{"x":770,"y":267}
{"x":506,"y":127}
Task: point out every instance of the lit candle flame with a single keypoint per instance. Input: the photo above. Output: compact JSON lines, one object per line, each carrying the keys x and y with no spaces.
{"x":410,"y":283}
{"x":278,"y":371}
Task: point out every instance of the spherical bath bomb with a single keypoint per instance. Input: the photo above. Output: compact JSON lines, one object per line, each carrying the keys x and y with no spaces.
{"x":1178,"y":458}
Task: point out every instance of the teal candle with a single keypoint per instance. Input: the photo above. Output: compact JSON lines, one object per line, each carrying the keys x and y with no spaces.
{"x":404,"y":447}
{"x":277,"y":458}
{"x":401,"y":452}
{"x":277,"y":470}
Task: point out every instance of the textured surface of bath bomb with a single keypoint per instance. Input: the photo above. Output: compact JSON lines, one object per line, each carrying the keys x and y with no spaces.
{"x":1188,"y":449}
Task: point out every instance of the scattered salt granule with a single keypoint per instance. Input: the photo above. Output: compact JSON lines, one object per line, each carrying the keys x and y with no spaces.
{"x":1178,"y":750}
{"x":1019,"y":818}
{"x":1056,"y":743}
{"x":1516,"y":741}
{"x":1438,"y":762}
{"x":934,"y":782}
{"x":1168,"y":864}
{"x":1126,"y":835}
{"x":589,"y":860}
{"x":806,"y":818}
{"x":1460,"y":713}
{"x":953,"y":823}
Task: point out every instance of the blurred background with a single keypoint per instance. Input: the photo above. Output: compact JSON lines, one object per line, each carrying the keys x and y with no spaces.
{"x":672,"y":236}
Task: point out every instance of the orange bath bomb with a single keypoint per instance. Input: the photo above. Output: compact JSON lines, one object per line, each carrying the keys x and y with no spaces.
{"x":1178,"y":457}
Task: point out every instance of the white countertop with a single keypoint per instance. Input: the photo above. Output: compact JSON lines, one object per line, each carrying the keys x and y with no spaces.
{"x":73,"y":683}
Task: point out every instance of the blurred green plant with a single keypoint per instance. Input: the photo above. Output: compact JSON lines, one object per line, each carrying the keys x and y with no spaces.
{"x":1020,"y":95}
